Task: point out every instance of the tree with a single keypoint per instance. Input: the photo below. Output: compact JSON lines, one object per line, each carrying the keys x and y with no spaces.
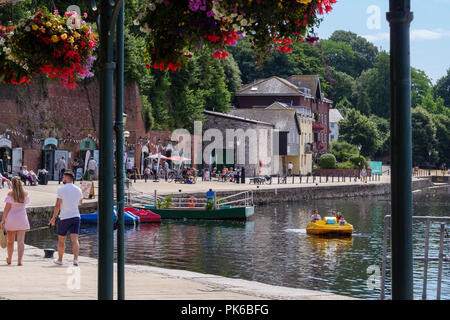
{"x":372,"y":89}
{"x":442,"y":123}
{"x":423,"y":137}
{"x":365,"y":53}
{"x":384,"y":134}
{"x":159,"y":99}
{"x":232,"y":75}
{"x":420,"y":86}
{"x":357,"y":129}
{"x":343,"y":150}
{"x":442,"y":88}
{"x":341,"y":86}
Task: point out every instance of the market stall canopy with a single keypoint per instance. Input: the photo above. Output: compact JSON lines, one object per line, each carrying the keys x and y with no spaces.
{"x":155,"y":156}
{"x":177,"y":158}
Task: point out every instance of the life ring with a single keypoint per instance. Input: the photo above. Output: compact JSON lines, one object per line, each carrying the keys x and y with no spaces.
{"x":192,"y":201}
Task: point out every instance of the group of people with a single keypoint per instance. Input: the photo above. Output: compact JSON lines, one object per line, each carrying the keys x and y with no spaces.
{"x":66,"y":216}
{"x":154,"y":169}
{"x":339,"y":217}
{"x":227,"y":174}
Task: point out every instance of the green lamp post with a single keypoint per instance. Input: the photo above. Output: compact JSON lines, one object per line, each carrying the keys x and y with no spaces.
{"x":400,"y":17}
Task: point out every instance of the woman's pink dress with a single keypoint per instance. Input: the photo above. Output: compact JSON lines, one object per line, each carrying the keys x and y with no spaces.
{"x":17,"y":219}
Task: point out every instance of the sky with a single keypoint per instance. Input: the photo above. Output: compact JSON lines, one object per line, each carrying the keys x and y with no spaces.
{"x":430,"y":29}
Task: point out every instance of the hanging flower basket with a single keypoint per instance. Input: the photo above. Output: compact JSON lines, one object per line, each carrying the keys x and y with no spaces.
{"x":49,"y":44}
{"x":177,"y":29}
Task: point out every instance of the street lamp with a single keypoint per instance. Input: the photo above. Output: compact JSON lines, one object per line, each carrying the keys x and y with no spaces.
{"x":429,"y":162}
{"x":359,"y":160}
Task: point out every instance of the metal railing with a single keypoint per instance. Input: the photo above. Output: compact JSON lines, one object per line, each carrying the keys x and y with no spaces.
{"x":182,"y":201}
{"x":441,"y":258}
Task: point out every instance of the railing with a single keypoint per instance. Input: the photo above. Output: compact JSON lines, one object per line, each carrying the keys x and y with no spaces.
{"x":183,"y":201}
{"x":441,"y":258}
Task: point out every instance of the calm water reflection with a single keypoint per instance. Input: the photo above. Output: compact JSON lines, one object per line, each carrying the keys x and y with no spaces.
{"x":273,"y":246}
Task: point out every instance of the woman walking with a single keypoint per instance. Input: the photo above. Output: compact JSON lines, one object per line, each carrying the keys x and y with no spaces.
{"x":15,"y":220}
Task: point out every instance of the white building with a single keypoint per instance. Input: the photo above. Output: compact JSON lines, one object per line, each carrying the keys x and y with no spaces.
{"x":335,"y":117}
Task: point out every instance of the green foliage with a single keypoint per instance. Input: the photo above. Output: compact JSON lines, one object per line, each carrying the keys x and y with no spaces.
{"x":164,"y":203}
{"x":357,"y":129}
{"x":358,"y":161}
{"x":147,"y":115}
{"x":442,"y":89}
{"x":346,"y":165}
{"x":423,"y":137}
{"x":442,"y":123}
{"x":327,"y":161}
{"x":209,"y":205}
{"x":343,"y":150}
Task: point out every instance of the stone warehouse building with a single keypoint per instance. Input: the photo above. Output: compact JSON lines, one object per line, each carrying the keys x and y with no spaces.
{"x":222,"y":153}
{"x":301,"y":92}
{"x":43,"y":121}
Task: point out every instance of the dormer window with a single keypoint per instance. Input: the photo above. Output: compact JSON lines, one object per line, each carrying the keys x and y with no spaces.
{"x":254,"y":89}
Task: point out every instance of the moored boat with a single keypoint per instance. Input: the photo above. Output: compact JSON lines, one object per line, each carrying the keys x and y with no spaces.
{"x":92,"y":218}
{"x":237,"y":206}
{"x":146,"y":216}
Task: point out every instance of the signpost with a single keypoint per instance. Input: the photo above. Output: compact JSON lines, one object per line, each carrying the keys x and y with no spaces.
{"x":377,"y":167}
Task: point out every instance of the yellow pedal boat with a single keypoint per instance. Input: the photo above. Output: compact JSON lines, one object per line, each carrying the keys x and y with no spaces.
{"x":321,"y":227}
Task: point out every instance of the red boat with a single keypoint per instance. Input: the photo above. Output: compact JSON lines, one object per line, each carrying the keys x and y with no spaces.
{"x":146,"y":216}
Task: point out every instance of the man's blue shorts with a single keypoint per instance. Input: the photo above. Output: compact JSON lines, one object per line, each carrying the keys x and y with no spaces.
{"x":71,"y":225}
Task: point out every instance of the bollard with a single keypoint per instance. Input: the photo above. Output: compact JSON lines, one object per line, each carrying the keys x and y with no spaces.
{"x":307,"y":178}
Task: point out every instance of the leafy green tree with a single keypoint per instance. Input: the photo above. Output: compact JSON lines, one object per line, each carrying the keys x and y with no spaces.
{"x":384,"y":134}
{"x":341,"y":86}
{"x":147,"y":114}
{"x":340,"y":56}
{"x":365,"y":52}
{"x":357,"y":129}
{"x":232,"y":75}
{"x":442,"y":88}
{"x":343,"y":150}
{"x":442,"y":123}
{"x":420,"y":86}
{"x":434,"y":105}
{"x":159,"y":99}
{"x":372,"y":89}
{"x":423,"y":137}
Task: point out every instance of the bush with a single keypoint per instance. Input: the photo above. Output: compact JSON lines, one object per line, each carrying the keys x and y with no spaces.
{"x":343,"y":150}
{"x":327,"y":161}
{"x":355,"y":159}
{"x":347,"y":165}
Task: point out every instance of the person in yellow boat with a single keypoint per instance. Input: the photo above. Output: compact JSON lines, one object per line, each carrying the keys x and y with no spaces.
{"x":315,"y":216}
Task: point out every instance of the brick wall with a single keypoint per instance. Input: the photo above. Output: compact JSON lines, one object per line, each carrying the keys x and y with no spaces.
{"x":47,"y":109}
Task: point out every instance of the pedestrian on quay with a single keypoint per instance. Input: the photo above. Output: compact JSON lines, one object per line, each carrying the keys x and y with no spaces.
{"x":92,"y":167}
{"x":290,"y":168}
{"x":15,"y":220}
{"x":69,"y":198}
{"x":364,"y":175}
{"x":62,"y":166}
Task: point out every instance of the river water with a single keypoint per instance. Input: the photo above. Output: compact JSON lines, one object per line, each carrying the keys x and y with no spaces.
{"x":273,"y":247}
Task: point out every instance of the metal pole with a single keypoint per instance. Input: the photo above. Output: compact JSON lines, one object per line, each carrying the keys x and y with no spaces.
{"x":400,"y":17}
{"x":384,"y":258}
{"x":120,"y":155}
{"x":425,"y":263}
{"x":106,"y":171}
{"x":441,"y":256}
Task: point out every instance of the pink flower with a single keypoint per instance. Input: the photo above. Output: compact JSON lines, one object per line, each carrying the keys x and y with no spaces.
{"x":85,"y":15}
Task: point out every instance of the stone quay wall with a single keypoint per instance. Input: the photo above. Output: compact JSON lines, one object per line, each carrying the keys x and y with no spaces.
{"x":40,"y":216}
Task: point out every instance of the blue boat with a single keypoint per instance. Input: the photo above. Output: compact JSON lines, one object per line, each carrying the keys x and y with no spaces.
{"x":92,"y":218}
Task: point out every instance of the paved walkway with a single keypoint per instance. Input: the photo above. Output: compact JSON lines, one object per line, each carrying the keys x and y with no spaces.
{"x":39,"y":279}
{"x":45,"y":195}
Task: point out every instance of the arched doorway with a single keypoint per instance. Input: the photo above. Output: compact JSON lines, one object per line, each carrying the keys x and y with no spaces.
{"x":48,"y":156}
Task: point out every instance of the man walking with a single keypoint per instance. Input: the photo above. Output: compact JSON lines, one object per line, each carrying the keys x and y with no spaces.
{"x":62,"y":166}
{"x":69,"y":197}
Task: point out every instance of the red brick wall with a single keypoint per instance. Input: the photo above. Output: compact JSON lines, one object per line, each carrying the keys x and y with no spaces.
{"x":40,"y":110}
